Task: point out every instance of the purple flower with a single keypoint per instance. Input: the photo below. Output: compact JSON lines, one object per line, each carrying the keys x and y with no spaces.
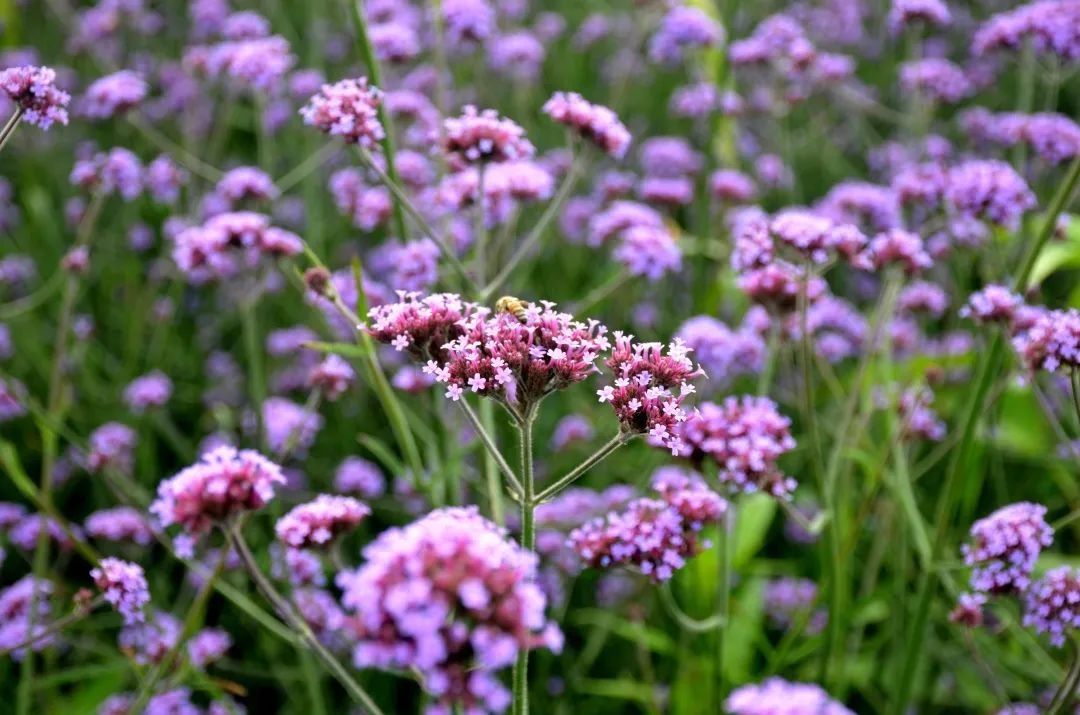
{"x":421,"y":326}
{"x":902,"y":13}
{"x":594,"y":122}
{"x":150,"y":641}
{"x":669,"y":157}
{"x":776,"y":695}
{"x":113,"y":94}
{"x":744,"y":438}
{"x":289,"y":427}
{"x":468,"y":22}
{"x":453,"y":598}
{"x":117,"y":171}
{"x":208,"y":645}
{"x":683,"y":28}
{"x":25,"y":533}
{"x":897,"y":247}
{"x":111,"y":446}
{"x":24,"y":602}
{"x":814,"y":237}
{"x":923,"y":297}
{"x":654,"y":535}
{"x":777,"y":286}
{"x":245,"y":25}
{"x":477,"y":137}
{"x":992,"y":304}
{"x":359,"y":476}
{"x":517,"y":55}
{"x":1051,"y":26}
{"x":788,"y":602}
{"x":412,"y":266}
{"x":124,"y":586}
{"x":332,"y":376}
{"x":121,"y":523}
{"x":919,"y":419}
{"x":645,"y":378}
{"x":1051,"y":342}
{"x":569,"y":430}
{"x":695,"y":100}
{"x":224,"y":482}
{"x":367,"y":206}
{"x":12,"y":399}
{"x":724,"y":354}
{"x":317,"y":523}
{"x":649,"y":251}
{"x":872,"y":207}
{"x":968,"y":610}
{"x":621,"y":216}
{"x":34,"y":92}
{"x":394,"y":42}
{"x":228,"y":243}
{"x":666,"y":190}
{"x":732,"y":186}
{"x":1005,"y":546}
{"x":1052,"y":604}
{"x":988,"y":190}
{"x":150,"y":390}
{"x":246,"y":183}
{"x":936,"y":79}
{"x":838,"y":329}
{"x":258,"y":64}
{"x":348,"y":109}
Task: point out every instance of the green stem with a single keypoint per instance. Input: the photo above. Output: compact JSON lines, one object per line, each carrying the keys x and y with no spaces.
{"x":1057,"y":204}
{"x":572,"y":476}
{"x":256,"y":373}
{"x":193,"y":163}
{"x":9,"y":127}
{"x":298,"y":624}
{"x":601,"y":292}
{"x":685,"y":620}
{"x":480,"y":232}
{"x":1065,"y":692}
{"x":772,"y":357}
{"x":528,"y":538}
{"x":55,"y":627}
{"x":367,"y":53}
{"x":726,"y":556}
{"x":491,"y":449}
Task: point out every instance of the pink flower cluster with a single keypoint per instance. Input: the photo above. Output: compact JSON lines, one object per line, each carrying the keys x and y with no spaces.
{"x":121,"y":523}
{"x":775,"y":696}
{"x":451,"y":597}
{"x":33,"y":90}
{"x":654,"y":535}
{"x":348,"y":109}
{"x":642,"y":395}
{"x":113,"y":94}
{"x":992,"y":304}
{"x":1051,"y":342}
{"x":483,"y":136}
{"x":593,"y":122}
{"x":745,"y":437}
{"x":223,"y":483}
{"x":1005,"y":546}
{"x":421,"y":326}
{"x":1052,"y":604}
{"x":229,"y":242}
{"x":519,"y":359}
{"x":124,"y":586}
{"x":150,"y":390}
{"x":317,"y":523}
{"x":897,"y":247}
{"x":332,"y":376}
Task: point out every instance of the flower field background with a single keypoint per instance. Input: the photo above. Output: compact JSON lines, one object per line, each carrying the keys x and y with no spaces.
{"x":483,"y":356}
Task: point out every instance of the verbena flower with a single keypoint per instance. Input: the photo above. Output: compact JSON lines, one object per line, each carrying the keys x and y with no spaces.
{"x":571,"y":430}
{"x":724,"y":353}
{"x":359,"y":476}
{"x":992,"y":304}
{"x":897,"y":247}
{"x":23,"y":602}
{"x":936,"y":79}
{"x":934,"y":13}
{"x":148,"y":642}
{"x":368,"y":206}
{"x":228,"y":243}
{"x":113,"y":94}
{"x":645,"y":380}
{"x":150,"y":390}
{"x":968,"y":610}
{"x":1005,"y":546}
{"x":683,"y":28}
{"x":777,"y":286}
{"x":837,"y":327}
{"x":476,"y":137}
{"x":421,"y":326}
{"x":246,"y":183}
{"x":117,"y":171}
{"x":923,"y":297}
{"x":124,"y":587}
{"x":164,"y":179}
{"x":1051,"y":342}
{"x":655,"y":536}
{"x":207,"y":646}
{"x":348,"y":109}
{"x":451,"y":597}
{"x":1051,"y":26}
{"x":732,"y":186}
{"x":517,"y":55}
{"x":694,"y":101}
{"x":26,"y":532}
{"x":648,"y":251}
{"x":332,"y":376}
{"x":12,"y":399}
{"x":111,"y":446}
{"x":33,"y":90}
{"x":619,"y":217}
{"x":120,"y":523}
{"x":257,"y":64}
{"x":776,"y":695}
{"x":317,"y":523}
{"x":988,"y":190}
{"x":223,"y":483}
{"x":593,"y":122}
{"x":918,"y":418}
{"x":289,"y":426}
{"x":1052,"y":604}
{"x":743,"y":438}
{"x":788,"y":602}
{"x":468,"y":22}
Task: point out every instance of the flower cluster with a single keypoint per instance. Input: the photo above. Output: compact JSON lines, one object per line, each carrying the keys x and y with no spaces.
{"x":643,"y":395}
{"x":919,"y":419}
{"x":25,"y":612}
{"x":34,"y":92}
{"x":113,"y":94}
{"x":724,"y":353}
{"x":289,"y":427}
{"x":124,"y":586}
{"x":1051,"y":26}
{"x":120,"y":523}
{"x":776,"y":695}
{"x":992,"y":304}
{"x":744,"y":437}
{"x":421,"y":326}
{"x":359,"y":476}
{"x":477,"y":137}
{"x":520,"y":358}
{"x":593,"y":122}
{"x":111,"y":446}
{"x":1054,"y":137}
{"x":898,"y":247}
{"x":229,"y":242}
{"x":988,"y":190}
{"x":683,"y":28}
{"x":451,"y":597}
{"x":223,"y":483}
{"x":1005,"y":546}
{"x":1052,"y":604}
{"x":1051,"y":342}
{"x":117,"y":171}
{"x":654,"y":535}
{"x":317,"y":523}
{"x":788,"y":602}
{"x":257,"y":63}
{"x":150,"y":390}
{"x":348,"y":109}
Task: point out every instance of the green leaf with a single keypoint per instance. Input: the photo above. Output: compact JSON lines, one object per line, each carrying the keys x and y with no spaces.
{"x":755,"y":513}
{"x":1058,"y":254}
{"x":639,"y":633}
{"x":349,"y":350}
{"x":619,"y":689}
{"x":747,"y":622}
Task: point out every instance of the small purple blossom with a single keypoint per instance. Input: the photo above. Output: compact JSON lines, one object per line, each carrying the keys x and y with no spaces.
{"x":594,"y":122}
{"x":348,"y":109}
{"x":317,"y":523}
{"x":477,"y":137}
{"x":113,"y":94}
{"x":124,"y":586}
{"x":150,"y":390}
{"x":776,"y":695}
{"x":1005,"y":546}
{"x":34,"y":92}
{"x":1052,"y":604}
{"x":359,"y":476}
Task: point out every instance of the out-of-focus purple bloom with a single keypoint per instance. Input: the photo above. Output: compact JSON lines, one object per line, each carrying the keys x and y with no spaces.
{"x":695,"y":101}
{"x":12,"y":399}
{"x":670,"y":157}
{"x":814,"y":236}
{"x":968,"y":610}
{"x":468,"y":22}
{"x":246,"y":183}
{"x":992,"y":304}
{"x":116,"y":171}
{"x":113,"y":94}
{"x":1051,"y":26}
{"x":367,"y":206}
{"x":208,"y":645}
{"x":332,"y":376}
{"x":348,"y":109}
{"x":1051,"y":342}
{"x":594,"y":122}
{"x":24,"y":602}
{"x":776,"y":695}
{"x":289,"y":427}
{"x":258,"y":64}
{"x":897,"y":247}
{"x":1052,"y":604}
{"x":902,"y":13}
{"x":25,"y":533}
{"x":34,"y":92}
{"x":229,"y":242}
{"x":989,"y":190}
{"x":918,"y":418}
{"x":457,"y":629}
{"x":569,"y":430}
{"x":936,"y":79}
{"x":149,"y":642}
{"x":619,"y":217}
{"x":1005,"y":546}
{"x":120,"y":523}
{"x":648,"y":251}
{"x":923,"y":297}
{"x":724,"y":354}
{"x":870,"y":206}
{"x":666,"y":190}
{"x":147,"y":391}
{"x":111,"y":446}
{"x":224,"y":482}
{"x":517,"y":55}
{"x":772,"y":172}
{"x":245,"y":25}
{"x":788,"y":602}
{"x":124,"y":586}
{"x":683,"y":28}
{"x":359,"y":476}
{"x":777,"y":286}
{"x":731,"y":186}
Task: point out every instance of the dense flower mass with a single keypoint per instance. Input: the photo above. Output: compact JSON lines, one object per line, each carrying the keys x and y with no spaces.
{"x":1051,"y":26}
{"x":348,"y":109}
{"x":644,"y":391}
{"x":743,"y":438}
{"x":223,"y":483}
{"x":1052,"y":604}
{"x":317,"y":523}
{"x":113,"y":94}
{"x":655,"y":536}
{"x":1051,"y":342}
{"x":990,"y":191}
{"x":1005,"y":546}
{"x":452,"y":597}
{"x":229,"y":243}
{"x":124,"y":586}
{"x":593,"y":122}
{"x":776,"y":695}
{"x":24,"y":613}
{"x":477,"y":137}
{"x":421,"y":326}
{"x":992,"y":304}
{"x":34,"y":92}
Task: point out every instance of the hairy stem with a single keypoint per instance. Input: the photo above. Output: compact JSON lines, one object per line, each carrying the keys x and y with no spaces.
{"x":491,"y":448}
{"x":528,"y":538}
{"x":591,"y":461}
{"x":9,"y":127}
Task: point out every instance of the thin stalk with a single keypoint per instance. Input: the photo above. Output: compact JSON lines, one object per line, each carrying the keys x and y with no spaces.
{"x":492,"y":466}
{"x":988,"y":370}
{"x":572,"y":476}
{"x":685,"y":620}
{"x":480,"y":232}
{"x":723,"y":598}
{"x":414,"y":213}
{"x":305,"y":168}
{"x":601,"y":292}
{"x":1074,"y":380}
{"x":537,"y":231}
{"x":491,"y":448}
{"x":9,"y":126}
{"x":297,"y":623}
{"x":772,"y":357}
{"x":1025,"y":96}
{"x":55,"y":627}
{"x":528,"y":539}
{"x":256,"y":372}
{"x":367,"y":53}
{"x":191,"y":162}
{"x":1068,"y":686}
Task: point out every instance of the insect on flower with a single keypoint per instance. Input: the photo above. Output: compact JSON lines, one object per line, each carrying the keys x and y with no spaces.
{"x":514,"y":306}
